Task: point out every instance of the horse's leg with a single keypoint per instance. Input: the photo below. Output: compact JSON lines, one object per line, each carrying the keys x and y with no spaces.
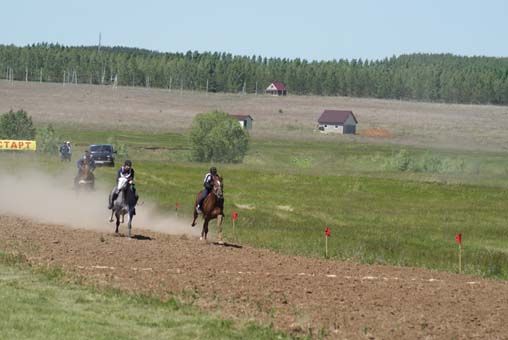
{"x":204,"y":231}
{"x":220,"y":218}
{"x":129,"y":224}
{"x":123,"y":216}
{"x":195,"y":215}
{"x":117,"y":215}
{"x":112,"y":213}
{"x":195,"y":218}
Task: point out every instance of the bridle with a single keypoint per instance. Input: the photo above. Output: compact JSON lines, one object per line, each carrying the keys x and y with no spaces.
{"x":217,"y":186}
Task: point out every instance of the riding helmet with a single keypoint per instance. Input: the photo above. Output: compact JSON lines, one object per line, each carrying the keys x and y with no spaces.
{"x":213,"y":170}
{"x":128,"y":163}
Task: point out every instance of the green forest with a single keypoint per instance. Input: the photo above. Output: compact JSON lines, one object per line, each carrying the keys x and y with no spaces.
{"x":423,"y":77}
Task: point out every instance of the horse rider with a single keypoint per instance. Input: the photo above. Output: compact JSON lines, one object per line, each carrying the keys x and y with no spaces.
{"x":208,"y":184}
{"x":87,"y":158}
{"x":126,"y":171}
{"x":66,"y":150}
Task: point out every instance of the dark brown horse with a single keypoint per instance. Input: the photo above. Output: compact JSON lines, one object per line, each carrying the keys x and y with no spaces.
{"x":85,"y":178}
{"x":212,"y":207}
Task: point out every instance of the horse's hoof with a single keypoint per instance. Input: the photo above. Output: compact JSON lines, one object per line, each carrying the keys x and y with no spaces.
{"x":201,"y":238}
{"x":193,"y":224}
{"x":111,"y":220}
{"x":220,"y":242}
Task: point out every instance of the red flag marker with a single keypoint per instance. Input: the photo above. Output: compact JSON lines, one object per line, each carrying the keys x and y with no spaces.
{"x":234,"y":217}
{"x":327,"y":235}
{"x":177,"y":206}
{"x":458,"y":239}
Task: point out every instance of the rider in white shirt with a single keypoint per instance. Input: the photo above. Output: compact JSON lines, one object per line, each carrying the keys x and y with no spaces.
{"x":208,"y":184}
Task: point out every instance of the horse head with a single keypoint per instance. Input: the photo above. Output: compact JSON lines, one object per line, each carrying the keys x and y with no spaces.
{"x":84,"y":170}
{"x":217,"y":187}
{"x":122,"y":183}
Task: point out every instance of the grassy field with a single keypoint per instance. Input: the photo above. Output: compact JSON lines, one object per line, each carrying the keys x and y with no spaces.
{"x":465,"y":127}
{"x":40,"y":305}
{"x":385,"y":204}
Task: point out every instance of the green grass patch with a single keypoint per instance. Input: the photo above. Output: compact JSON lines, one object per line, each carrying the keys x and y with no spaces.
{"x":379,"y":211}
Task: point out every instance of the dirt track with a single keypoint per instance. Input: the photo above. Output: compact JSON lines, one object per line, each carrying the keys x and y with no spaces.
{"x":346,"y":300}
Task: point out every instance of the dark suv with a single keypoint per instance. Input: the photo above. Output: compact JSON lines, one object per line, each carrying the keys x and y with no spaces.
{"x":103,"y":154}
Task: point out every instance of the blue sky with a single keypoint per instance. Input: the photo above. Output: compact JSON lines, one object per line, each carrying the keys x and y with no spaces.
{"x":313,"y":30}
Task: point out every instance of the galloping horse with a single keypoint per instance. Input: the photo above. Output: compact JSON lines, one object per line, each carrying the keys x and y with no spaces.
{"x":124,"y":204}
{"x":85,"y":178}
{"x":212,"y":207}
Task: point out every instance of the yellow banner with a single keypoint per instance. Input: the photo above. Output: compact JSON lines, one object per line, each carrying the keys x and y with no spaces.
{"x":6,"y":144}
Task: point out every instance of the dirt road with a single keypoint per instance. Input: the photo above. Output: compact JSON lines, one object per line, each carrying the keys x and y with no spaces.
{"x":296,"y":294}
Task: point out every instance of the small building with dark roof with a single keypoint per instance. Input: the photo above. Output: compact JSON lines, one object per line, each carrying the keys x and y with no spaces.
{"x":337,"y":121}
{"x":277,"y":88}
{"x":244,"y":120}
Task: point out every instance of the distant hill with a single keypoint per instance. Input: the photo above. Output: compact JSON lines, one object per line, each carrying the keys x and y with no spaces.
{"x":424,"y":77}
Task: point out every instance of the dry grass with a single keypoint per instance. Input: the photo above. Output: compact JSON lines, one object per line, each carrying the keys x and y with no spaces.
{"x":473,"y":127}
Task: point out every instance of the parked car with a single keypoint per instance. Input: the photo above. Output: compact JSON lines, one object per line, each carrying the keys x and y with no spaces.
{"x":103,"y":154}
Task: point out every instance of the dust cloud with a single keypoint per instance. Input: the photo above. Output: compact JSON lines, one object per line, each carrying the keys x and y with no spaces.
{"x":53,"y":200}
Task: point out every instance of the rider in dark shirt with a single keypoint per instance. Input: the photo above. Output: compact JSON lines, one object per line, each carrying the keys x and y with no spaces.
{"x":65,"y":150}
{"x":86,"y":159}
{"x":127,"y":172}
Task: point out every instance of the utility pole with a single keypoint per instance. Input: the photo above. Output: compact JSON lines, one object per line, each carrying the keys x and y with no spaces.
{"x":243,"y":89}
{"x":99,"y":46}
{"x":63,"y":82}
{"x":207,"y":87}
{"x":40,"y":76}
{"x":170,"y":83}
{"x":256,"y":88}
{"x":26,"y":74}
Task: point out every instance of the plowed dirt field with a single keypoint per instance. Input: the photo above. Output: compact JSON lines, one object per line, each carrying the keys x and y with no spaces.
{"x":296,"y":294}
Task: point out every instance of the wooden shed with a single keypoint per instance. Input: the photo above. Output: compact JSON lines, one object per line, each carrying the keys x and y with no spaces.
{"x":244,"y":120}
{"x":337,"y":121}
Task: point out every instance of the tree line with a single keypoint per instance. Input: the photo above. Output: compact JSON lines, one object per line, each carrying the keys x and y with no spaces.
{"x":425,"y":77}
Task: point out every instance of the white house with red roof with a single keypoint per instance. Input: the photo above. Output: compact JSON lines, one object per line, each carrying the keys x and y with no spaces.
{"x":337,"y":121}
{"x":277,"y":88}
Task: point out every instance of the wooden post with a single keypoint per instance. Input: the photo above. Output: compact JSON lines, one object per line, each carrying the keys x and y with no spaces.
{"x":234,"y":217}
{"x":458,"y":240}
{"x":460,"y":259}
{"x":326,"y":246}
